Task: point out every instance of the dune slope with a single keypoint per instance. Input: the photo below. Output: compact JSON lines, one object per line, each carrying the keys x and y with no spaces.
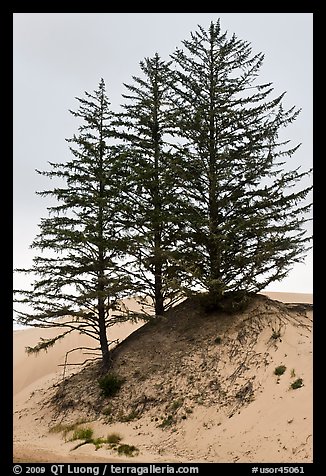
{"x":198,"y":387}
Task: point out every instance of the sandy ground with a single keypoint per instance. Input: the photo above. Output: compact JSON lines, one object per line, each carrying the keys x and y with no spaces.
{"x":277,"y":414}
{"x":290,"y":297}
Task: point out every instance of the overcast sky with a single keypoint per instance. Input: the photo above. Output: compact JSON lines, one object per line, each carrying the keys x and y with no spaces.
{"x":58,"y":56}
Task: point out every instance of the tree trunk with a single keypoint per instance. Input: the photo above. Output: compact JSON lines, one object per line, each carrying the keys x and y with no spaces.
{"x":214,"y":245}
{"x":159,"y":301}
{"x":158,"y":222}
{"x":106,"y":355}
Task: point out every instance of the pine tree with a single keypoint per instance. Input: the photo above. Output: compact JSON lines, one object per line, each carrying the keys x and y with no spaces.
{"x":152,"y":221}
{"x":246,"y":212}
{"x":77,"y":272}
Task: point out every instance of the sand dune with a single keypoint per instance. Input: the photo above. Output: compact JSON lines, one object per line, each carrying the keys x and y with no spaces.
{"x":30,"y":368}
{"x":290,"y":297}
{"x":277,"y":414}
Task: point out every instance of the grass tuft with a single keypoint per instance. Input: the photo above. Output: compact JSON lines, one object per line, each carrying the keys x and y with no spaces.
{"x":82,"y":434}
{"x":127,"y":450}
{"x":280,"y":370}
{"x":114,"y":438}
{"x":98,"y":442}
{"x":168,"y":421}
{"x":67,"y":428}
{"x":176,"y":404}
{"x":110,"y":384}
{"x":297,"y":384}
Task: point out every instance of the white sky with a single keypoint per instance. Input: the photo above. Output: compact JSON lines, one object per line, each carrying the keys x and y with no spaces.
{"x":58,"y":56}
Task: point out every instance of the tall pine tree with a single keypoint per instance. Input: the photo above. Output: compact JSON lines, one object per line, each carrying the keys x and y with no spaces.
{"x":77,"y":272}
{"x":245,"y":212}
{"x":153,"y":194}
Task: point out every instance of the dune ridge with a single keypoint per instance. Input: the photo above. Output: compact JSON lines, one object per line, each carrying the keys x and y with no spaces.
{"x":258,"y":419}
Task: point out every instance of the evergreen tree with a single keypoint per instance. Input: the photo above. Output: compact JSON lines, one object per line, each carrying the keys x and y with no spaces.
{"x":77,"y":272}
{"x":245,"y":212}
{"x":153,"y":199}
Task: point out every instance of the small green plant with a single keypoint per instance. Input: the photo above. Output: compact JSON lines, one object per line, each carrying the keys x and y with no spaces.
{"x":67,"y":428}
{"x":127,"y":450}
{"x":98,"y":442}
{"x":297,"y":384}
{"x":110,"y":384}
{"x":176,"y":404}
{"x":292,"y":373}
{"x":168,"y":421}
{"x":280,"y":370}
{"x":86,"y":435}
{"x":82,"y":434}
{"x":218,"y":340}
{"x":114,"y":438}
{"x":129,"y":417}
